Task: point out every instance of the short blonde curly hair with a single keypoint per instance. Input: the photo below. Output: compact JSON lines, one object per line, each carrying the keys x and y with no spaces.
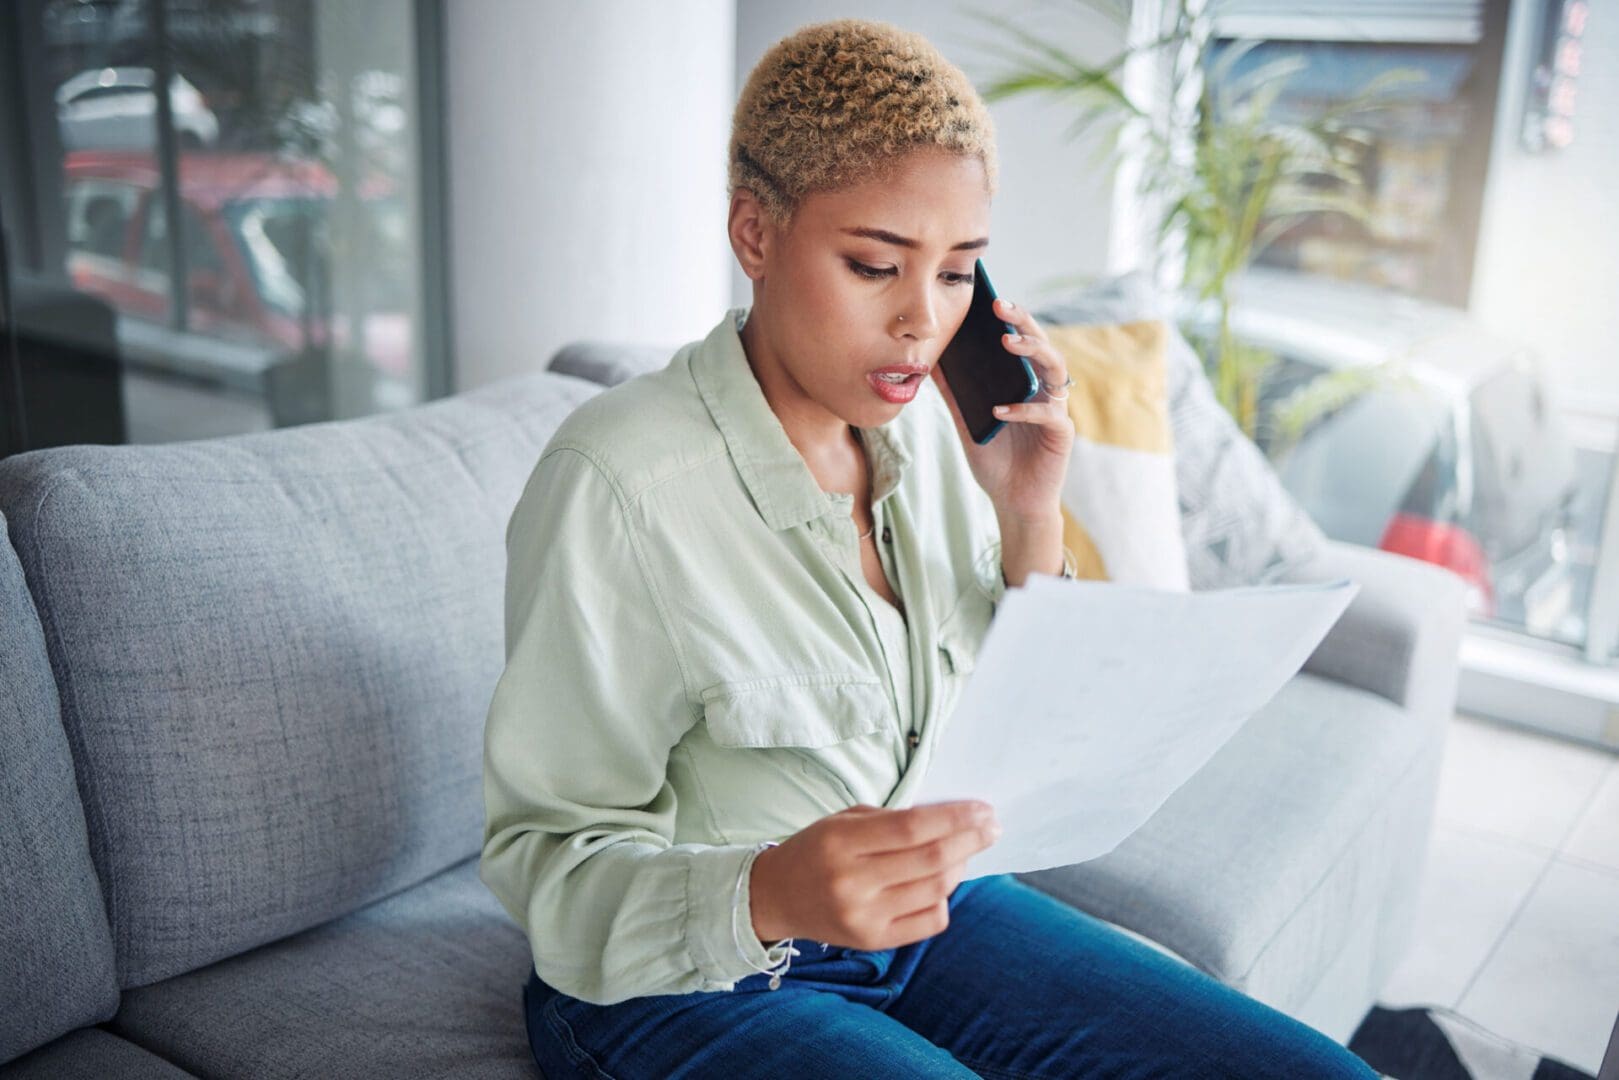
{"x":835,"y":103}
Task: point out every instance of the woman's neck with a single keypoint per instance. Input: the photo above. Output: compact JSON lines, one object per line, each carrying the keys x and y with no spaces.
{"x":827,"y":443}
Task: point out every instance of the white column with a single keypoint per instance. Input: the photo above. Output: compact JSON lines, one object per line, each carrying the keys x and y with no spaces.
{"x":586,"y":176}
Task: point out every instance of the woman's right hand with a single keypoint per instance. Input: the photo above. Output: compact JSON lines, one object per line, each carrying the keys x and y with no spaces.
{"x":869,"y":878}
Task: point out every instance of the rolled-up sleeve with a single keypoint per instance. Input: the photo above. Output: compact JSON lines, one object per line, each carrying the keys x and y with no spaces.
{"x":579,"y":812}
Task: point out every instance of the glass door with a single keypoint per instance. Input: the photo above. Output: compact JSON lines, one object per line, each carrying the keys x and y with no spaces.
{"x":225,"y":214}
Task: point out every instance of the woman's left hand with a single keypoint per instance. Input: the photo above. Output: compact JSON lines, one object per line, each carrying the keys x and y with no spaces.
{"x":1023,"y":467}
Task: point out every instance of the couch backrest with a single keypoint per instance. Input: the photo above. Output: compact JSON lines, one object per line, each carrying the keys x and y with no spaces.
{"x":275,"y":653}
{"x":56,"y":963}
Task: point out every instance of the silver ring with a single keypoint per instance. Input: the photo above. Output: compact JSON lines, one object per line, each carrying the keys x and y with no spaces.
{"x":1051,"y":392}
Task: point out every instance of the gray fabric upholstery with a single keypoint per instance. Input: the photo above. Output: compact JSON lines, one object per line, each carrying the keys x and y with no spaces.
{"x":1402,"y":633}
{"x":275,"y":653}
{"x":610,"y":363}
{"x":428,"y":983}
{"x":91,"y":1054}
{"x":56,"y":964}
{"x":1257,"y":869}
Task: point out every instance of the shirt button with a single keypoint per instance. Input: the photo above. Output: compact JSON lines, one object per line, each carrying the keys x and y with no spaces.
{"x":888,"y":536}
{"x":913,"y":738}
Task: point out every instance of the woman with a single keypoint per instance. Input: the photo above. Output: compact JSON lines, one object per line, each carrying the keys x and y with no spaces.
{"x":742,"y":595}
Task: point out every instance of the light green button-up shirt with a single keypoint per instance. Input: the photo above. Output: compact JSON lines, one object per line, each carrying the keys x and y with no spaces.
{"x":696,"y":662}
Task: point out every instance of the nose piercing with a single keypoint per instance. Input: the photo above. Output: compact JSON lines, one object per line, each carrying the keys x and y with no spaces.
{"x":902,"y":318}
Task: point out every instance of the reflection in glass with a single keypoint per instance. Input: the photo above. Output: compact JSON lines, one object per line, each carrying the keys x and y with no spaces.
{"x":1448,"y":445}
{"x":1409,"y":234}
{"x":291,"y":290}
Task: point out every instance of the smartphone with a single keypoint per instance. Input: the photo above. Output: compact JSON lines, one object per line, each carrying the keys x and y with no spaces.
{"x":981,"y":372}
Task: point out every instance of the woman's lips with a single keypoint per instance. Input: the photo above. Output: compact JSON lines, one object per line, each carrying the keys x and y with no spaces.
{"x":896,"y":393}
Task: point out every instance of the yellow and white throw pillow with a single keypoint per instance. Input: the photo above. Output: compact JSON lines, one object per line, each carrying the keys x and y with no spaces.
{"x":1121,"y":511}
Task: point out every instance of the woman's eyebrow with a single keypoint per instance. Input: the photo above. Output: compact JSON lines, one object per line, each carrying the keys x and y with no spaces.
{"x":906,"y":242}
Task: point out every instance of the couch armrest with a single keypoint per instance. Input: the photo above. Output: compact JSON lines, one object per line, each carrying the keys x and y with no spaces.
{"x":1400,"y":637}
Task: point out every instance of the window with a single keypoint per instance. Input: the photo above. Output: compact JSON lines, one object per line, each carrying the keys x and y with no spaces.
{"x":1419,"y":198}
{"x":292,"y":140}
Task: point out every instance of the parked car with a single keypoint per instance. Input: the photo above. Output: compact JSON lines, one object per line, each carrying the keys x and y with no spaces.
{"x":257,"y":255}
{"x":115,"y":108}
{"x":1465,"y":463}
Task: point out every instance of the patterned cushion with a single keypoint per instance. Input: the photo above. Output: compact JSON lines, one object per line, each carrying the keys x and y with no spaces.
{"x":1120,"y":512}
{"x":1239,"y":524}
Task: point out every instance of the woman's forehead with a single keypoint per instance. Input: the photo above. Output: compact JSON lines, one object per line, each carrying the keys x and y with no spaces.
{"x":947,"y":208}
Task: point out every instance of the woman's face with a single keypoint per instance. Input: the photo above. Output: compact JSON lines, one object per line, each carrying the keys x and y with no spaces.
{"x":866,"y":278}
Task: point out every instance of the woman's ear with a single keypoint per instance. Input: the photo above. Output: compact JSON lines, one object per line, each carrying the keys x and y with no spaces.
{"x":751,"y":232}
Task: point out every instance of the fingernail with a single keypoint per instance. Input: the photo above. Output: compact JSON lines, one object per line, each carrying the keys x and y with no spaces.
{"x":1009,"y":304}
{"x":1000,"y":410}
{"x":1015,"y":336}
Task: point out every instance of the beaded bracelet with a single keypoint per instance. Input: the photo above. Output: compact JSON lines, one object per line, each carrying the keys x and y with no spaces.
{"x":736,"y":901}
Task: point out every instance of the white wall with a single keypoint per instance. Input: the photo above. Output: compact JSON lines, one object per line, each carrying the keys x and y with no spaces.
{"x":586,"y":175}
{"x":1050,"y":217}
{"x":587,"y":151}
{"x":1548,"y":259}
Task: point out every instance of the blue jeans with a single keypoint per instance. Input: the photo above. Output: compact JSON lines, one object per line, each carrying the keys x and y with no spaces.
{"x":1019,"y":986}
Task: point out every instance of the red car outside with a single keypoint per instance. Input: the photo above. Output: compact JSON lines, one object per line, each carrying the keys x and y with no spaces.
{"x":258,"y":250}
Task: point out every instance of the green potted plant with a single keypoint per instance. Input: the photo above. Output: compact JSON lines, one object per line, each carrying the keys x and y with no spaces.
{"x":1226,"y":173}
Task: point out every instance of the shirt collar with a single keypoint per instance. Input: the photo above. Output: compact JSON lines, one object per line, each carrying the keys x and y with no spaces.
{"x":777,"y":478}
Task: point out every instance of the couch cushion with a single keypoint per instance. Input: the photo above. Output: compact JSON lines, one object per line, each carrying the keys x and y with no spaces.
{"x":428,"y":983}
{"x":275,"y":654}
{"x":1121,"y":516}
{"x":56,"y":965}
{"x":1257,"y":870}
{"x":91,"y":1054}
{"x":1239,"y":524}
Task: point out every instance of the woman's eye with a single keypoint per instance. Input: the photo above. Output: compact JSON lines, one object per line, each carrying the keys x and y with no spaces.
{"x":872,"y":272}
{"x":868,"y":271}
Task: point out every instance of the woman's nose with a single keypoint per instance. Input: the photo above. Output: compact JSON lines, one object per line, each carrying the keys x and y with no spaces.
{"x":920,"y":318}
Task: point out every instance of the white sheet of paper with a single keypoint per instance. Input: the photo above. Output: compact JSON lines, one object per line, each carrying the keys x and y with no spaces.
{"x":1092,"y":702}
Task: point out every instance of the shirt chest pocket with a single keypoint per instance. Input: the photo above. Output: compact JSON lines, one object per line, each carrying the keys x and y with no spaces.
{"x":797,"y":748}
{"x":808,"y":711}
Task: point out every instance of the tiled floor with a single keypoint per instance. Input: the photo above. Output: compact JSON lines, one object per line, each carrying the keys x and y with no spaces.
{"x":1519,"y":921}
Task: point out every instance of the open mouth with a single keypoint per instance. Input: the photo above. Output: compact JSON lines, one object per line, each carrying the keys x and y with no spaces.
{"x":896,"y":387}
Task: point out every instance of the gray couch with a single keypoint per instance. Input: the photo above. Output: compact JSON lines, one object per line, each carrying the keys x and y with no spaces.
{"x":240,"y":763}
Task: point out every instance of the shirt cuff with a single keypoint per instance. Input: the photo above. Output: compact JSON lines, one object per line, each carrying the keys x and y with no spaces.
{"x":710,"y":884}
